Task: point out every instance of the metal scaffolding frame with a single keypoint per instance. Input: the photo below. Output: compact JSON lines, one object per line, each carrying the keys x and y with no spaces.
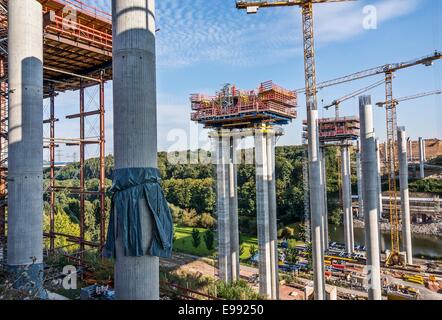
{"x":81,"y":191}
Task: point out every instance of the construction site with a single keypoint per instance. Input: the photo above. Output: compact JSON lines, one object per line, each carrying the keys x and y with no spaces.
{"x":349,"y":213}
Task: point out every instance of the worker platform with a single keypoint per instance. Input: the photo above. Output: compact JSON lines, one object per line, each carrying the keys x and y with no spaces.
{"x":232,"y":108}
{"x":77,"y":44}
{"x":337,"y":130}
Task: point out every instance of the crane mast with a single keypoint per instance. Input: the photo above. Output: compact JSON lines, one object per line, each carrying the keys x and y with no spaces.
{"x":312,"y":107}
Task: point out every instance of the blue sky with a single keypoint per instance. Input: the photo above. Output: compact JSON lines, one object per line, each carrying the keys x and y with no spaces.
{"x":203,"y":44}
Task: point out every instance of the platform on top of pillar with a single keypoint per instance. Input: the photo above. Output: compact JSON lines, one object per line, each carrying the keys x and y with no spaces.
{"x":231,"y":108}
{"x":340,"y":131}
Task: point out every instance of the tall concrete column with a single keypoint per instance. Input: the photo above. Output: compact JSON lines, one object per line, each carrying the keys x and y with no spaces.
{"x":135,"y":130}
{"x":346,"y":199}
{"x":422,"y":158}
{"x":379,"y":175}
{"x":316,"y":203}
{"x":405,"y":197}
{"x":273,"y":221}
{"x":410,"y":150}
{"x":359,"y":177}
{"x":25,"y":149}
{"x":233,"y":208}
{"x":324,"y":196}
{"x":223,"y":206}
{"x":370,"y":194}
{"x":263,"y":216}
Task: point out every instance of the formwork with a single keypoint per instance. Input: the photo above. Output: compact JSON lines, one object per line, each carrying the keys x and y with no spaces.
{"x":234,"y":108}
{"x":337,"y":130}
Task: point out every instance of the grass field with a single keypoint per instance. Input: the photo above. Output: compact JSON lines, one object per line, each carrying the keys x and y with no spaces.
{"x":183,"y":243}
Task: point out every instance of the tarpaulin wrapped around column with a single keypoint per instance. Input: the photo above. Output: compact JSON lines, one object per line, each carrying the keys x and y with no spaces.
{"x":130,"y":185}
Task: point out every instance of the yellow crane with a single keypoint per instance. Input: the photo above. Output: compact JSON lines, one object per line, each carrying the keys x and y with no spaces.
{"x":336,"y":103}
{"x":413,"y":97}
{"x":311,"y":102}
{"x":388,"y":71}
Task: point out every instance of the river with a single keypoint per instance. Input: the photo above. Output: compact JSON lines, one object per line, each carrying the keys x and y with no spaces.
{"x":422,"y":244}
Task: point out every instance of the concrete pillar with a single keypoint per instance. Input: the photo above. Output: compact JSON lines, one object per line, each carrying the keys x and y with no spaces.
{"x":25,"y":149}
{"x":262,"y":211}
{"x":346,"y":199}
{"x":370,"y":194}
{"x":405,"y":198}
{"x":380,"y":204}
{"x":379,"y":175}
{"x":422,"y":158}
{"x":135,"y":130}
{"x":324,"y":196}
{"x":233,"y":208}
{"x":223,"y":206}
{"x":410,"y":150}
{"x":316,"y":203}
{"x":359,"y":177}
{"x":273,"y":221}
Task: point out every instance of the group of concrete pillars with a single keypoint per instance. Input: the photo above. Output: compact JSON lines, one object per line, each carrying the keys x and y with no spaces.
{"x":372,"y":195}
{"x":227,"y":160}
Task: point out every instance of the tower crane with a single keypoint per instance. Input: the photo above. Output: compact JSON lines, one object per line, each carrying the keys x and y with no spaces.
{"x":413,"y":97}
{"x":312,"y":106}
{"x":388,"y":71}
{"x":336,"y":103}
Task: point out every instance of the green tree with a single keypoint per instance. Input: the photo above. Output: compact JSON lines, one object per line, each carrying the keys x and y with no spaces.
{"x":196,"y":238}
{"x":209,"y":239}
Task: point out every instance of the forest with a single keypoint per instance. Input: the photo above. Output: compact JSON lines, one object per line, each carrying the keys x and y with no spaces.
{"x":190,"y":192}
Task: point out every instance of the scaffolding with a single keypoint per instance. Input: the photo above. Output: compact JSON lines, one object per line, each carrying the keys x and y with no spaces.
{"x":77,"y":57}
{"x":335,"y":130}
{"x":231,"y":107}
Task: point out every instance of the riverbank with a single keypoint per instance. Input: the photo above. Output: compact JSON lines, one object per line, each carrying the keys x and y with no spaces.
{"x":428,"y":229}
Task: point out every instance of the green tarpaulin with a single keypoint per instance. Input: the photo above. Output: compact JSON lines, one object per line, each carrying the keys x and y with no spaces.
{"x":130,"y":185}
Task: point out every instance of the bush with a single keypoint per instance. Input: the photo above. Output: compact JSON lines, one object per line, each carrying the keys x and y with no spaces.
{"x":190,"y":218}
{"x":238,"y":290}
{"x":207,"y":221}
{"x":286,"y":233}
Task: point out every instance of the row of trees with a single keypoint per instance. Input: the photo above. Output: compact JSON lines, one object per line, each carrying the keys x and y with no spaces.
{"x":190,"y":191}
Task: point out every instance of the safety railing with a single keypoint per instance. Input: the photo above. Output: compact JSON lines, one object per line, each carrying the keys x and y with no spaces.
{"x":87,"y":9}
{"x":62,"y":26}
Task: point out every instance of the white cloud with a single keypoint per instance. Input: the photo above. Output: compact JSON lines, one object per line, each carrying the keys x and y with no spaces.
{"x":201,"y":31}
